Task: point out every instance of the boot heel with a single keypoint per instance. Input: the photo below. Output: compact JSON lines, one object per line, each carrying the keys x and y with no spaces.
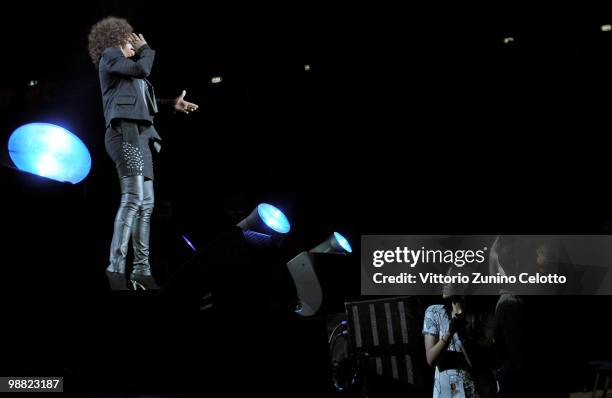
{"x":143,"y":279}
{"x":137,"y":286}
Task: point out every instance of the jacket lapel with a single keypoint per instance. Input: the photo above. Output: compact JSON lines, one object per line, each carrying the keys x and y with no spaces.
{"x":151,"y":92}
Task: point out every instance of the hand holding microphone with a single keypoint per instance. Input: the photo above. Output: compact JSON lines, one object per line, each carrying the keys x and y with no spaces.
{"x":457,"y":325}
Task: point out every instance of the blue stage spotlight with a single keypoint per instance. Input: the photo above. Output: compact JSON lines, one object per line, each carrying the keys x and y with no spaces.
{"x":343,"y":242}
{"x":336,"y":243}
{"x":273,"y":218}
{"x":325,"y":276}
{"x":49,"y":151}
{"x":268,"y":221}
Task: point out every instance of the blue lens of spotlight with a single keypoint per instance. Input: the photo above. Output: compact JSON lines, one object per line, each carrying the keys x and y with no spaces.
{"x":273,"y":218}
{"x":343,"y":242}
{"x":49,"y":151}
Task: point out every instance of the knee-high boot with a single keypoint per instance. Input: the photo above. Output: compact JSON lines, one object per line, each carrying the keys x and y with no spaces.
{"x":131,"y":202}
{"x":141,"y":276}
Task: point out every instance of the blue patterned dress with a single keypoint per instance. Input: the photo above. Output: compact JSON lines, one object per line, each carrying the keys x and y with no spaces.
{"x":451,"y":383}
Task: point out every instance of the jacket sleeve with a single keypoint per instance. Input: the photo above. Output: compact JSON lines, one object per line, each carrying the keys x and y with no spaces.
{"x":166,"y":105}
{"x":114,"y":62}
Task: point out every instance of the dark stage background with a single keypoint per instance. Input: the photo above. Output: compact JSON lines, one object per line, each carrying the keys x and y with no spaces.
{"x":412,"y":120}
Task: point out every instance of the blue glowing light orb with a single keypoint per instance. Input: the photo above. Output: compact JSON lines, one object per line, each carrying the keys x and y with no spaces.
{"x":49,"y":151}
{"x":343,"y":242}
{"x":273,"y":218}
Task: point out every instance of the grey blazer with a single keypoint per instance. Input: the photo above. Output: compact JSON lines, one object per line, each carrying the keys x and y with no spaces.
{"x":121,"y":82}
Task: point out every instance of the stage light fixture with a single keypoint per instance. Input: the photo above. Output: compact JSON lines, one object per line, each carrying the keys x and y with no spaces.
{"x":325,"y":276}
{"x":265,"y":223}
{"x":243,"y":259}
{"x":606,"y":28}
{"x":307,"y":67}
{"x":336,"y":243}
{"x":49,"y":151}
{"x":216,"y":80}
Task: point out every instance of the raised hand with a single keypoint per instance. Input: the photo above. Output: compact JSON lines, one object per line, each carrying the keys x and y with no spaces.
{"x":184,"y":106}
{"x":137,"y":40}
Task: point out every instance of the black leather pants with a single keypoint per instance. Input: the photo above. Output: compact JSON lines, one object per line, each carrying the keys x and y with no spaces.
{"x":132,"y":221}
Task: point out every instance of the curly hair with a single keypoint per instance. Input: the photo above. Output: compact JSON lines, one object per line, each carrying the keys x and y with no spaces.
{"x":109,"y":32}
